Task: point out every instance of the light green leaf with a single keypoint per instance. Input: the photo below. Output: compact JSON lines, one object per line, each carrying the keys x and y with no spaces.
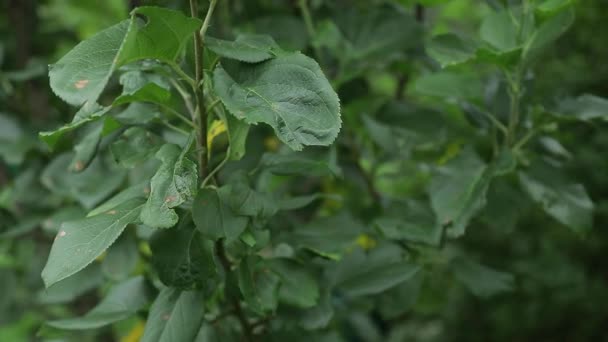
{"x":123,"y":301}
{"x":500,"y":31}
{"x":78,"y":243}
{"x":174,"y":183}
{"x":458,"y":191}
{"x":358,"y":274}
{"x":175,"y":316}
{"x":180,"y":256}
{"x":214,"y":218}
{"x":289,"y":93}
{"x":481,"y":280}
{"x":250,"y":48}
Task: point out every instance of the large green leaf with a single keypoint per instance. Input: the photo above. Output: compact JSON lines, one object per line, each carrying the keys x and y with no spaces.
{"x":448,"y":84}
{"x":123,"y":301}
{"x":481,"y":280}
{"x":260,"y":288}
{"x":174,"y":183}
{"x":181,"y":257}
{"x":458,"y":191}
{"x":215,"y":218}
{"x":563,"y":200}
{"x":248,"y":48}
{"x":412,"y":222}
{"x":78,"y":243}
{"x":90,"y":111}
{"x":72,"y":287}
{"x":82,"y":74}
{"x":289,"y":93}
{"x":175,"y":316}
{"x":359,"y":274}
{"x":585,"y":108}
{"x":135,"y":146}
{"x":121,"y":258}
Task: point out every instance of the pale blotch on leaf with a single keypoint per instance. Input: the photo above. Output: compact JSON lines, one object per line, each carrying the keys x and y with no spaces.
{"x":81,"y":84}
{"x":78,"y":166}
{"x":112,"y":212}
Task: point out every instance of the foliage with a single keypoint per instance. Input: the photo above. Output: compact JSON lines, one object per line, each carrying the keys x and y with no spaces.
{"x":306,"y":170}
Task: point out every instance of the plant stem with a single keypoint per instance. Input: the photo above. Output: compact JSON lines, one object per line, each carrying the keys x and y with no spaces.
{"x":200,"y":114}
{"x":310,"y":27}
{"x":515,"y":96}
{"x":238,"y":309}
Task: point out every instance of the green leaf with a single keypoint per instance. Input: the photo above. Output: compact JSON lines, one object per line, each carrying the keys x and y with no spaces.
{"x":585,"y":108}
{"x":175,"y":316}
{"x":180,"y":256}
{"x":298,"y":287}
{"x":150,"y":92}
{"x":86,"y":149}
{"x":448,"y":84}
{"x":382,"y":268}
{"x":170,"y":27}
{"x":299,"y":164}
{"x":80,"y":76}
{"x":412,"y":222}
{"x":458,"y":191}
{"x":135,"y":146}
{"x":174,"y":183}
{"x":250,"y":48}
{"x":72,"y":287}
{"x":123,"y":301}
{"x":237,"y":134}
{"x":214,"y":218}
{"x":140,"y":190}
{"x":481,"y":280}
{"x":450,"y":49}
{"x":121,"y":258}
{"x":500,"y":31}
{"x":260,"y":288}
{"x":90,"y":111}
{"x":563,"y":200}
{"x":289,"y":93}
{"x":550,"y":29}
{"x":78,"y":243}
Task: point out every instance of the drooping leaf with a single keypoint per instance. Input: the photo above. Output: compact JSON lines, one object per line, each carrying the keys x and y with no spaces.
{"x":90,"y":111}
{"x":86,"y":149}
{"x":382,"y":268}
{"x":123,"y":301}
{"x":289,"y":93}
{"x":174,"y":183}
{"x":215,"y":218}
{"x":481,"y":280}
{"x":72,"y":287}
{"x":150,"y":92}
{"x":78,"y":243}
{"x":121,"y":258}
{"x":175,"y":316}
{"x":250,"y":48}
{"x":563,"y":200}
{"x":458,"y":191}
{"x":180,"y":256}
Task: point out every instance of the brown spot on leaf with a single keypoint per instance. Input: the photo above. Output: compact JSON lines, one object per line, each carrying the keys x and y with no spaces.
{"x":112,"y":212}
{"x":146,"y":190}
{"x":166,"y":317}
{"x":169,"y":199}
{"x":81,"y":84}
{"x":78,"y":165}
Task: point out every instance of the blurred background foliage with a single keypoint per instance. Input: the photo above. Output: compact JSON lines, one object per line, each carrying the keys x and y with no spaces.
{"x":561,"y":279}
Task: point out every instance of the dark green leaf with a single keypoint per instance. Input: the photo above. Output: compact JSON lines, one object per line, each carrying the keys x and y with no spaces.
{"x":214,"y":218}
{"x":248,"y":48}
